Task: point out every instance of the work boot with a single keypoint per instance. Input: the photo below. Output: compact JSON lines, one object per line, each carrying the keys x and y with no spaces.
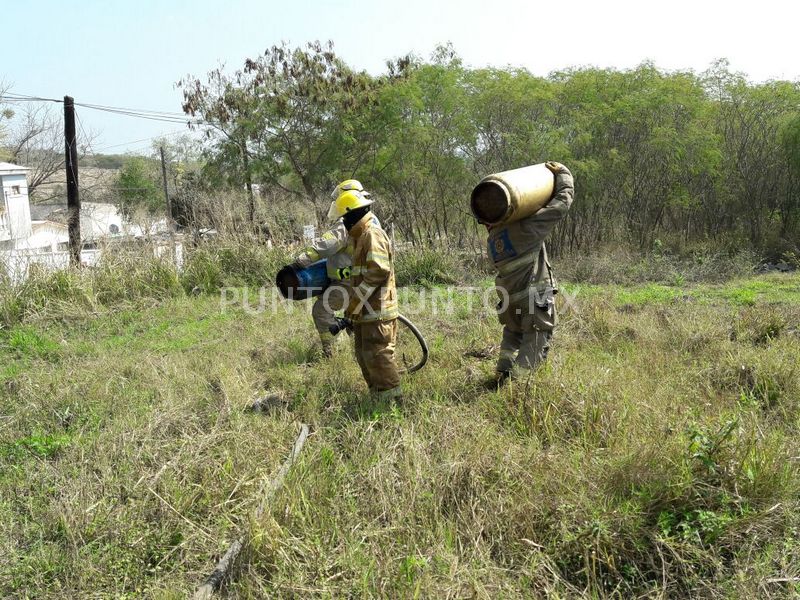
{"x":392,"y":394}
{"x":503,"y":377}
{"x":505,"y":364}
{"x":498,"y":380}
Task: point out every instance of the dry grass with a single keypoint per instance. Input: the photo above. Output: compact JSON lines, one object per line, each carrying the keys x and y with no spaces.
{"x":654,"y":456}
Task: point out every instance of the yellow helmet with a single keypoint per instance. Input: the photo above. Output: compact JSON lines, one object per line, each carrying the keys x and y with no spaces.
{"x":347,"y":201}
{"x":346,"y":185}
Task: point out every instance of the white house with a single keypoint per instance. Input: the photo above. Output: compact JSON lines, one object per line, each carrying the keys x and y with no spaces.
{"x":46,"y":236}
{"x":43,"y":238}
{"x":98,"y":220}
{"x":15,"y":211}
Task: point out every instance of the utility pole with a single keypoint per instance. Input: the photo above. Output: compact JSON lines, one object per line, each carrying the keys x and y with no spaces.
{"x":166,"y":193}
{"x":248,"y":182}
{"x":73,"y":196}
{"x":169,"y":205}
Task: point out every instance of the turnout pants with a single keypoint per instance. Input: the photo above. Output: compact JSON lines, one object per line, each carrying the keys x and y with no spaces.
{"x":375,"y":343}
{"x":526,"y":336}
{"x":335,"y":298}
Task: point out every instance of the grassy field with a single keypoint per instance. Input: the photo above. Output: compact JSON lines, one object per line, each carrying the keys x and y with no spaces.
{"x":655,"y":455}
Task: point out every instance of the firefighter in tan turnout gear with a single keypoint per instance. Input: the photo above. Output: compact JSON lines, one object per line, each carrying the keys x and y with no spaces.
{"x":373,"y":299}
{"x":335,"y":246}
{"x":525,"y":281}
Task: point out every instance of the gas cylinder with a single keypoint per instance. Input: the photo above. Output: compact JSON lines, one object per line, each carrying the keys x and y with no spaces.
{"x":512,"y":195}
{"x":299,"y":284}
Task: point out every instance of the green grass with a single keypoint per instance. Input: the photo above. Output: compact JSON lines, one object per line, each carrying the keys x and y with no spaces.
{"x":40,"y":446}
{"x":655,"y":455}
{"x":767,"y":289}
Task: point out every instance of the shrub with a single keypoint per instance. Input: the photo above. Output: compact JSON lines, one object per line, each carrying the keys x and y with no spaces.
{"x":425,"y":266}
{"x":41,"y":290}
{"x":614,"y":265}
{"x":133,"y":276}
{"x":202,"y":272}
{"x":214,"y":266}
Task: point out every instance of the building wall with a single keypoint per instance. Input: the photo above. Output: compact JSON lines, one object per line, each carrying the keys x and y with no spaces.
{"x":18,"y":263}
{"x":18,"y":211}
{"x":45,"y":236}
{"x":100,"y":220}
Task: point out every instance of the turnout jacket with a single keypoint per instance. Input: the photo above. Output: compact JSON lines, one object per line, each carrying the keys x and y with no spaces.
{"x":518,"y":250}
{"x":374,"y":295}
{"x":334,"y":245}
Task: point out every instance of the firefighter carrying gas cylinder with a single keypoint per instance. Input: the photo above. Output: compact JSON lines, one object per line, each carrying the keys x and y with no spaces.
{"x":335,"y":246}
{"x":525,"y":281}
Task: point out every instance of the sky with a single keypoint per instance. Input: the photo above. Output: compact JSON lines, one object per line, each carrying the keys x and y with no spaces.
{"x":130,"y":54}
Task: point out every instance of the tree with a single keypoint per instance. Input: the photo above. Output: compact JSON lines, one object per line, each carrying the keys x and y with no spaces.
{"x":138,"y":188}
{"x":754,"y":125}
{"x":283,"y":118}
{"x":34,"y":138}
{"x":37,"y":142}
{"x":657,"y":155}
{"x":421,"y":163}
{"x":6,"y":114}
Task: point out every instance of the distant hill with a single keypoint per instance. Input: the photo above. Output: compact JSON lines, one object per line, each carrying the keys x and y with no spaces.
{"x":104,"y":161}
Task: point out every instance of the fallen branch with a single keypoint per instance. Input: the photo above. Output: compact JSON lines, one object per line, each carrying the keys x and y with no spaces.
{"x":223,"y":568}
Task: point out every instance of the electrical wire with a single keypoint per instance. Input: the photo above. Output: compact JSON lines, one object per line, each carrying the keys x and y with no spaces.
{"x":147,"y":114}
{"x":163,"y":113}
{"x":11,"y":97}
{"x":140,"y":113}
{"x":147,"y":139}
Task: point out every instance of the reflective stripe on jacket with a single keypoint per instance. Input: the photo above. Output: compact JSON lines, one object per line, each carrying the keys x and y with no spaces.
{"x":334,"y":245}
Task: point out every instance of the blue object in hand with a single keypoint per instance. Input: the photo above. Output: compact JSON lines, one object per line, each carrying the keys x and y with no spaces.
{"x":299,"y":284}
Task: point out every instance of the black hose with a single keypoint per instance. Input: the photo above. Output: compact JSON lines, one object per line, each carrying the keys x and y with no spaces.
{"x":344,"y":323}
{"x":422,"y":343}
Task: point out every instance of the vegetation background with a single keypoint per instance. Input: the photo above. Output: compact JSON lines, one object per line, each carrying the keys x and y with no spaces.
{"x":678,"y":159}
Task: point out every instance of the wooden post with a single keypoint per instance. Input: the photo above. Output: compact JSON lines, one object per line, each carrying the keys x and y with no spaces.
{"x":248,"y":181}
{"x":73,"y":195}
{"x":166,"y":193}
{"x":170,"y":222}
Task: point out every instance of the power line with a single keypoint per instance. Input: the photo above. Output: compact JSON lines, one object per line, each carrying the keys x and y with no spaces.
{"x":137,"y":110}
{"x":141,"y":113}
{"x":11,"y":97}
{"x":147,"y":139}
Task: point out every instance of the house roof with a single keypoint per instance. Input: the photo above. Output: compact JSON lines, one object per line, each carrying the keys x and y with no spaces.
{"x":11,"y":169}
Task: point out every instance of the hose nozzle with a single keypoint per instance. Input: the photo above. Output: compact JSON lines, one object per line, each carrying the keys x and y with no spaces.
{"x":339,"y":325}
